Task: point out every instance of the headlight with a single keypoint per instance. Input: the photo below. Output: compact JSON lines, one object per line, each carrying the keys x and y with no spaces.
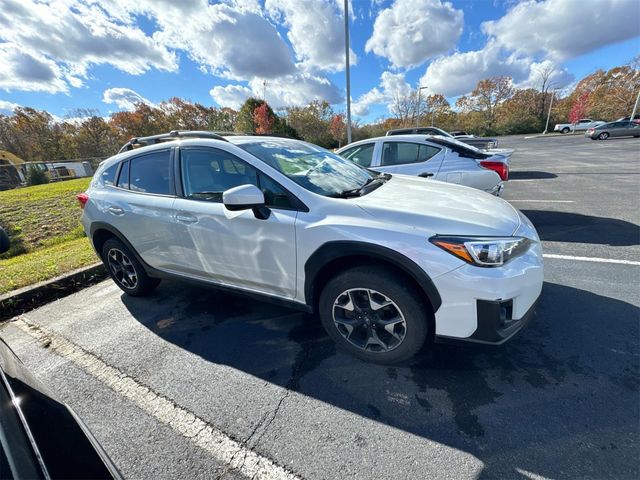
{"x":483,"y":251}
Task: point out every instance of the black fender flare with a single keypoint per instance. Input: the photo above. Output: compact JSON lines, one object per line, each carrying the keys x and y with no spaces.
{"x":331,"y":251}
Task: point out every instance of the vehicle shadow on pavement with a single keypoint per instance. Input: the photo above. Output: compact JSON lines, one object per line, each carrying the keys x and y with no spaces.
{"x":558,"y":400}
{"x":579,"y":228}
{"x":530,"y":175}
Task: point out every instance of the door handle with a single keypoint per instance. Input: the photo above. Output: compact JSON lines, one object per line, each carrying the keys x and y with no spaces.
{"x":186,"y":218}
{"x":425,"y":174}
{"x":116,"y":210}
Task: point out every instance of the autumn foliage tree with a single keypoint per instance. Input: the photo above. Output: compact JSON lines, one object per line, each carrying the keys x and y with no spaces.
{"x":337,"y":127}
{"x":579,"y":107}
{"x":263,"y":119}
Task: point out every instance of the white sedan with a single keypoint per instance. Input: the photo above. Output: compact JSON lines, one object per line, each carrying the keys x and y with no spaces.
{"x":432,"y":156}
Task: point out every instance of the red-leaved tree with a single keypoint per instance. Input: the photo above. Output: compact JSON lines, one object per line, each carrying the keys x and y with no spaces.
{"x":263,"y":119}
{"x":337,"y":128}
{"x":579,"y":108}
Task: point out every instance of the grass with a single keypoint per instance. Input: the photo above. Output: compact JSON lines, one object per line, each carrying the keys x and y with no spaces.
{"x":47,"y":239}
{"x":46,"y":263}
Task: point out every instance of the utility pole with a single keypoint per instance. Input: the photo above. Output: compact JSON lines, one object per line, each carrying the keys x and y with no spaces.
{"x":346,"y":58}
{"x":635,"y":107}
{"x":418,"y":107}
{"x":546,"y":127}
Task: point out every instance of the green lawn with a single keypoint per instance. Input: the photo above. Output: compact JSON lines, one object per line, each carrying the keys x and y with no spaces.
{"x":47,"y":240}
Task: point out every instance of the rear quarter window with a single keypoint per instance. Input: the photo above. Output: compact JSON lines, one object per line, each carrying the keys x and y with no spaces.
{"x":108,"y":175}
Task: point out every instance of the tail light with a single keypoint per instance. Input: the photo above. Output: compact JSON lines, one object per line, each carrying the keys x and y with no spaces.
{"x":82,"y":198}
{"x":590,"y":131}
{"x":500,"y":168}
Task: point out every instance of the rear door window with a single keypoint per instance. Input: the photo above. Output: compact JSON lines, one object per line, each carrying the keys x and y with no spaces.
{"x":402,"y":153}
{"x":151,"y":173}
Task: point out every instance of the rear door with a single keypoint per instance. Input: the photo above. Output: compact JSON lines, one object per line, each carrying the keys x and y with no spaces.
{"x":140,"y":205}
{"x":233,"y":248}
{"x":410,"y":158}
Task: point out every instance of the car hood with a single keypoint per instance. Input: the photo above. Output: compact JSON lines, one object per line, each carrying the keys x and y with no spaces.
{"x":441,"y":208}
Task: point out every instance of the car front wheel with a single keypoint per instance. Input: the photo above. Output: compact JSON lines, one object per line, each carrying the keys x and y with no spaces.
{"x":565,"y":130}
{"x":374,"y":314}
{"x":603,"y":136}
{"x":125,"y":270}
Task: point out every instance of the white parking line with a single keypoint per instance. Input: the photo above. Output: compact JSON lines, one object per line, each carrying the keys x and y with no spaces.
{"x":590,"y":259}
{"x":224,"y":449}
{"x":543,"y":201}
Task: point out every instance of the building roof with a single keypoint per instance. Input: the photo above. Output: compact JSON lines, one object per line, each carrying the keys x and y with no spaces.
{"x":14,"y":159}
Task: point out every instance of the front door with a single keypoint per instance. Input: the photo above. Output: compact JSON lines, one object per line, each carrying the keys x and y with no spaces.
{"x":233,"y":248}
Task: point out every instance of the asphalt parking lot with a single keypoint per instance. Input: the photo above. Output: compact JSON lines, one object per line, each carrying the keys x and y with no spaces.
{"x":192,"y":383}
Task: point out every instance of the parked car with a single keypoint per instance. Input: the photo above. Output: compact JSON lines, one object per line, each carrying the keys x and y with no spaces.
{"x":478,"y":142}
{"x":459,"y":133}
{"x":386,"y":261}
{"x":636,"y":118}
{"x":4,"y":241}
{"x":41,"y":437}
{"x":624,"y":128}
{"x":580,"y":125}
{"x":436,"y":157}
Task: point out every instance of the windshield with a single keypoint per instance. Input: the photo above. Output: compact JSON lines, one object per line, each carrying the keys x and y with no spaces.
{"x":311,"y":167}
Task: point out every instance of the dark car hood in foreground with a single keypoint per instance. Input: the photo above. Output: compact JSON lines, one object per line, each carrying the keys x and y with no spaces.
{"x":39,"y":434}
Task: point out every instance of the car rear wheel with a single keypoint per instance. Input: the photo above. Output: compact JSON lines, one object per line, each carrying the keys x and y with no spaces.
{"x":566,"y":130}
{"x":374,"y":314}
{"x":125,"y":270}
{"x":603,"y":136}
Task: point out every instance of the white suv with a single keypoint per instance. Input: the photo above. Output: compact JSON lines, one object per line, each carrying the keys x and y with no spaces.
{"x":386,"y":261}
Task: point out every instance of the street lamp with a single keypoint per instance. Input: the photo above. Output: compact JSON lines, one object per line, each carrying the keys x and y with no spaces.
{"x":546,"y":127}
{"x":346,"y":57}
{"x":418,"y":107}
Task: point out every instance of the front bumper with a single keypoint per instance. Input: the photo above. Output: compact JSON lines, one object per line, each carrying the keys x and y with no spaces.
{"x":489,"y":305}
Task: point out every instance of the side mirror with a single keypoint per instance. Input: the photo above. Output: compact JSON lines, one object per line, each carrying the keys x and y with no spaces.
{"x":245,"y":197}
{"x":4,"y":241}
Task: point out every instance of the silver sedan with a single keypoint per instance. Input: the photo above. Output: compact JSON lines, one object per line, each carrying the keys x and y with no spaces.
{"x":624,"y":128}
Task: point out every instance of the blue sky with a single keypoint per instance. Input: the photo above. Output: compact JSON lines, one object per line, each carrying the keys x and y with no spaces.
{"x":67,"y":54}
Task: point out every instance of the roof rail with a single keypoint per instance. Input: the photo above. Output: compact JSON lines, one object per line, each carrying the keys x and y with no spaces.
{"x":167,"y":137}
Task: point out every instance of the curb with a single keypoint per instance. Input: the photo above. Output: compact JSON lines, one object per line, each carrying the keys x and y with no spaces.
{"x":29,"y":298}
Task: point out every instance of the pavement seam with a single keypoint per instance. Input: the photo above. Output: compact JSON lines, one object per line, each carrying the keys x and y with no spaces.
{"x":206,"y":436}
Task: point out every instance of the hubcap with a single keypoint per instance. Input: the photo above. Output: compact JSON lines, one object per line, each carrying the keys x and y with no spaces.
{"x":369,"y":320}
{"x":122,"y":269}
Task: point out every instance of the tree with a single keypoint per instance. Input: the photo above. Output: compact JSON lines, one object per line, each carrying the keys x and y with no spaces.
{"x":337,"y":127}
{"x":404,"y":106}
{"x":244,"y":121}
{"x":263,"y":119}
{"x":36,"y":176}
{"x":579,"y":107}
{"x":312,"y":123}
{"x":484,"y":101}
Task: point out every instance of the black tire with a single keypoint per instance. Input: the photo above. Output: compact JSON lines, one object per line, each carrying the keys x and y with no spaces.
{"x":382,"y":285}
{"x":125,"y":270}
{"x":603,"y":136}
{"x":565,"y":130}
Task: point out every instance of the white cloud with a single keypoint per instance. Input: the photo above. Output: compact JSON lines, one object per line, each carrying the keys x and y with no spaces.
{"x":392,"y":85}
{"x":288,"y":91}
{"x":230,"y":39}
{"x":316,"y":31}
{"x":76,"y":35}
{"x":459,"y":73}
{"x":124,"y":98}
{"x":563,"y":29}
{"x":232,"y":96}
{"x":7,"y":108}
{"x":29,"y":71}
{"x":411,"y":31}
{"x":558,"y":76}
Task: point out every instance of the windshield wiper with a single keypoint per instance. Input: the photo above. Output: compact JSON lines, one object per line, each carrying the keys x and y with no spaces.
{"x":368,"y":186}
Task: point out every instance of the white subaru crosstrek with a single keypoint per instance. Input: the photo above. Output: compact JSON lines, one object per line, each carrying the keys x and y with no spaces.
{"x":386,"y":261}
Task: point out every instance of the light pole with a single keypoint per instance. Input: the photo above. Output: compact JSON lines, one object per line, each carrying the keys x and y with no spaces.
{"x":418,"y":107}
{"x":546,"y":127}
{"x":635,"y":107}
{"x":346,"y":58}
